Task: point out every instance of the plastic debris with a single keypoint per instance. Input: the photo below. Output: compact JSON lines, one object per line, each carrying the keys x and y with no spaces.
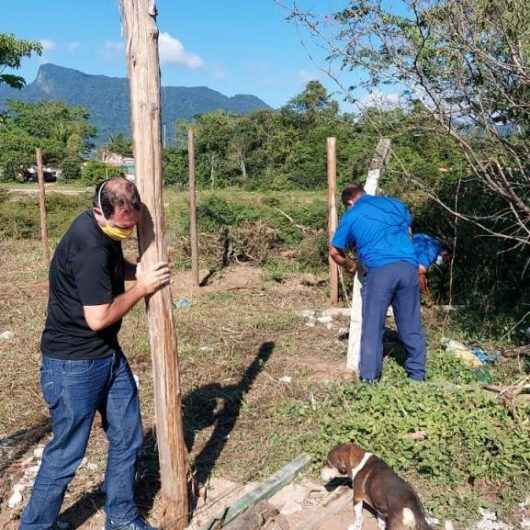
{"x":183,"y":303}
{"x":6,"y":335}
{"x":485,"y":357}
{"x":462,"y":352}
{"x":16,"y":497}
{"x":313,"y":318}
{"x":286,"y":379}
{"x":490,"y":521}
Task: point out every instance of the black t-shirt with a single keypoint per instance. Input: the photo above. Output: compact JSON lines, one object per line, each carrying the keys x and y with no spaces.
{"x":87,"y":269}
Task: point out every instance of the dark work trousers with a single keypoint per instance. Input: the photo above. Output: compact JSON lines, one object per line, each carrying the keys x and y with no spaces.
{"x":396,"y":285}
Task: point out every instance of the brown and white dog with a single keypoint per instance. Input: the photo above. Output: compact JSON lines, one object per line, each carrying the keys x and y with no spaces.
{"x":376,"y":484}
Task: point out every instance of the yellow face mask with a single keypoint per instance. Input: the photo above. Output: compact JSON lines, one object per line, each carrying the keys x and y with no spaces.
{"x":114,"y":232}
{"x":117,"y":233}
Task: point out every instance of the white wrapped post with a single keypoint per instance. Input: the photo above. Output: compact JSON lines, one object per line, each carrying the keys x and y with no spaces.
{"x":375,"y":171}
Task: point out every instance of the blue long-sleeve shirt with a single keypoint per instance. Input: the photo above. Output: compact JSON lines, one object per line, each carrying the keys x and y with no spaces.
{"x":379,"y":229}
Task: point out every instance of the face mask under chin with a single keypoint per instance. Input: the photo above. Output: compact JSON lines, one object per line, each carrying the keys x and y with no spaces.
{"x":117,"y":233}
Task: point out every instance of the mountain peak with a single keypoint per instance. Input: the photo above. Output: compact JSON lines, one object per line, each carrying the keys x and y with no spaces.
{"x":107,"y":99}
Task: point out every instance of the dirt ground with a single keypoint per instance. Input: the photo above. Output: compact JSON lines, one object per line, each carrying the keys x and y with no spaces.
{"x":239,"y":342}
{"x":244,"y":350}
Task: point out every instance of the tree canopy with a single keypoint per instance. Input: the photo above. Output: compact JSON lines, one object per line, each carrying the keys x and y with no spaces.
{"x":468,"y":63}
{"x":63,"y":133}
{"x":12,"y":50}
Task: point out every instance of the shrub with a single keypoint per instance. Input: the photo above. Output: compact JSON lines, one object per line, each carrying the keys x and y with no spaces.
{"x":95,"y":171}
{"x":71,"y":168}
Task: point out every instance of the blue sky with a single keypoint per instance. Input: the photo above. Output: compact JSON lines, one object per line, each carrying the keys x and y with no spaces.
{"x":234,"y":46}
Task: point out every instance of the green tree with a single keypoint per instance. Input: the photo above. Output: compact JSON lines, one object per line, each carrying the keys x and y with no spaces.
{"x":63,"y":132}
{"x":468,"y":61}
{"x":213,"y":134}
{"x":121,"y":144}
{"x":94,"y":171}
{"x":12,"y":50}
{"x":176,"y":167}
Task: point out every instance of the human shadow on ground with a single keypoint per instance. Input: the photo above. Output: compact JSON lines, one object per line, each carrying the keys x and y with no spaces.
{"x":16,"y":445}
{"x":210,"y":405}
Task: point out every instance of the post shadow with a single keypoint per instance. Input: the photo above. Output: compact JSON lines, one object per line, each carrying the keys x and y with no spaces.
{"x":200,"y":410}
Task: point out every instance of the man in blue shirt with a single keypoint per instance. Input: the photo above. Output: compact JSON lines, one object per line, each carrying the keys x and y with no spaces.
{"x":378,"y":228}
{"x":429,"y":250}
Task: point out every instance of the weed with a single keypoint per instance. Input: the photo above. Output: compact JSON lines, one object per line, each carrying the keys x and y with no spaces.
{"x":470,"y":437}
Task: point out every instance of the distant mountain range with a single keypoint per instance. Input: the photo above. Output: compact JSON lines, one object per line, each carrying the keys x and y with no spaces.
{"x":107,"y":99}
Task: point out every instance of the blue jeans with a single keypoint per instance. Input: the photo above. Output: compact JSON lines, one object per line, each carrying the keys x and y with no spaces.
{"x":74,"y":391}
{"x":397,"y":285}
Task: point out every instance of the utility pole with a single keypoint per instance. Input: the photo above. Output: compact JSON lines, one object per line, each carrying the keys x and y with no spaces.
{"x":332,"y":218}
{"x":139,"y":21}
{"x":42,"y":206}
{"x":193,"y":210}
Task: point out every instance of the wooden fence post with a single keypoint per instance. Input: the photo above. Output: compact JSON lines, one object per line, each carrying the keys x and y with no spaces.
{"x":139,"y":18}
{"x":332,"y":218}
{"x":42,"y":206}
{"x":193,"y":210}
{"x":375,"y":171}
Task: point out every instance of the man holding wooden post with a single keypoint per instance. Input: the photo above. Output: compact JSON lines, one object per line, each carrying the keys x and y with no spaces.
{"x":84,"y":370}
{"x":378,"y":228}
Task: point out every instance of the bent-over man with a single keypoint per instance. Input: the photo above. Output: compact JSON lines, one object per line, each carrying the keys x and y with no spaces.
{"x":378,"y":228}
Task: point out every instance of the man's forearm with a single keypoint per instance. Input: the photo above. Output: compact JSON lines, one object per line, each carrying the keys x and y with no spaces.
{"x":340,"y":258}
{"x":117,"y":309}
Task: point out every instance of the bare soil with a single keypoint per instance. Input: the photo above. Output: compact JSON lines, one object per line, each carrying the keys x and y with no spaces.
{"x":238,"y":339}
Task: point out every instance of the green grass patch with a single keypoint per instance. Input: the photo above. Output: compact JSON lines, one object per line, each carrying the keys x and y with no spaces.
{"x":20,"y":214}
{"x":472,"y":441}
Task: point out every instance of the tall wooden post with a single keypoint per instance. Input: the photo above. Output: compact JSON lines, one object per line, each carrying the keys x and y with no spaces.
{"x":332,"y":218}
{"x":139,"y":18}
{"x":193,"y":210}
{"x":42,"y":206}
{"x":375,"y":171}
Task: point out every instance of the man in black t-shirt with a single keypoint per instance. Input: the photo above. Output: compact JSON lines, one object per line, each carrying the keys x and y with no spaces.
{"x":83,"y":368}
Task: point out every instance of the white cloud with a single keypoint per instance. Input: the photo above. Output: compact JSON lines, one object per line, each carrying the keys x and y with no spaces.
{"x":307,"y":75}
{"x":113,"y":46}
{"x":381,"y":101}
{"x":172,"y":52}
{"x":73,"y":46}
{"x":113,"y":51}
{"x":48,"y":45}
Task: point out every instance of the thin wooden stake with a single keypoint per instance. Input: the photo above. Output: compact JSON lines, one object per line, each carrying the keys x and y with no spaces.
{"x":42,"y":206}
{"x":375,"y":171}
{"x":193,"y":210}
{"x":332,"y":218}
{"x":139,"y":18}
